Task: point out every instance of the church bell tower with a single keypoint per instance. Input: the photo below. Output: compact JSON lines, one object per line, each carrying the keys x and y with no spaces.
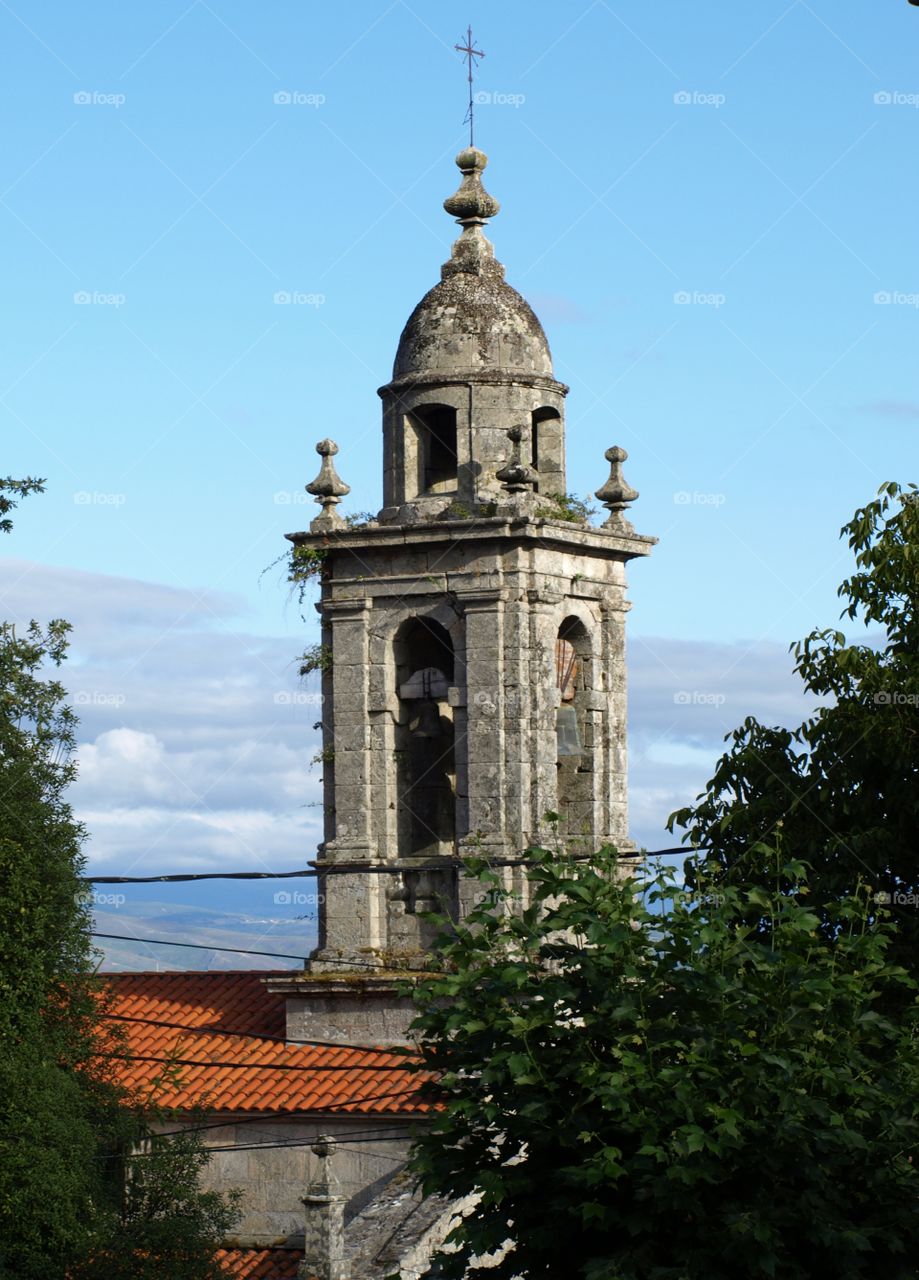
{"x":473,"y":635}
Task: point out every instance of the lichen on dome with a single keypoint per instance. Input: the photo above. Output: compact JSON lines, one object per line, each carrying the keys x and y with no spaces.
{"x":472,"y":321}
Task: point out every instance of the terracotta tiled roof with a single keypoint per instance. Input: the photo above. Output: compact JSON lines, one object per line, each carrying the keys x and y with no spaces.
{"x":221,"y":1072}
{"x":259,"y":1264}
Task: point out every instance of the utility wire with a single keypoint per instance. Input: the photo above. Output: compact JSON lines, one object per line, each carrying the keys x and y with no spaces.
{"x":198,"y":946}
{"x":239,"y":951}
{"x":272,"y":1146}
{"x":269,"y":1118}
{"x":342,"y":869}
{"x":251,"y":1035}
{"x":252,"y":1066}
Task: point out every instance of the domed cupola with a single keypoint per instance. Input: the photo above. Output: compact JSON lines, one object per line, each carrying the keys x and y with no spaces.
{"x":472,"y":363}
{"x":473,"y":321}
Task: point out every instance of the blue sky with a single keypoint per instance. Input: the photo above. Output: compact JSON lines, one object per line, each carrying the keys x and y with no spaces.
{"x":710,"y":207}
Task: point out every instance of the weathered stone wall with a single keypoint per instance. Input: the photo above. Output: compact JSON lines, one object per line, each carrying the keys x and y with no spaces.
{"x":273,"y":1182}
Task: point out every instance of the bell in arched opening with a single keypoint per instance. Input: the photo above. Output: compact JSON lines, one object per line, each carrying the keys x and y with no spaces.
{"x":566,"y":728}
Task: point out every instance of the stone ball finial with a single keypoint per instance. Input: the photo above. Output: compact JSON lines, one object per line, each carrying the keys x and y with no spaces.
{"x":324,"y":1184}
{"x":323,"y":1146}
{"x":328,"y":489}
{"x":471,"y":204}
{"x":615,"y":494}
{"x":516,"y":477}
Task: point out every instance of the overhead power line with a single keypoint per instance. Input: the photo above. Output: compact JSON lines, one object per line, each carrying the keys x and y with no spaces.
{"x":251,"y":1035}
{"x":281,"y":1117}
{"x":275,"y":1146}
{"x":342,"y":869}
{"x":239,"y":951}
{"x":198,"y":946}
{"x":253,"y":1066}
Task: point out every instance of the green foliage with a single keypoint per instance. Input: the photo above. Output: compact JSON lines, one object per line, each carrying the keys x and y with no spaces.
{"x":10,"y":492}
{"x":357,"y":519}
{"x":318,"y":657}
{"x":48,"y":1101}
{"x":568,"y":507}
{"x":458,"y":510}
{"x":164,"y":1226}
{"x":635,"y":1083}
{"x":305,"y":564}
{"x":62,"y":1115}
{"x":844,"y":785}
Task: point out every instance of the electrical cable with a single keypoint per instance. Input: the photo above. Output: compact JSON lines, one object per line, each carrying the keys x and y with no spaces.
{"x":241,"y":951}
{"x":199,"y":946}
{"x":270,"y":1146}
{"x":249,"y":1066}
{"x":269,"y":1118}
{"x":251,"y":1035}
{"x":339,"y":869}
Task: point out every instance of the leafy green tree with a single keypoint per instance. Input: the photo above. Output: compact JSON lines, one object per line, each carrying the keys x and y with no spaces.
{"x":844,"y":786}
{"x":165,"y":1227}
{"x":635,"y":1084}
{"x":63,"y":1118}
{"x":49,"y":1103}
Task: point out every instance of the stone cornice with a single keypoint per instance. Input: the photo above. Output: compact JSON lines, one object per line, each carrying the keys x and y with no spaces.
{"x":494,"y":529}
{"x":473,"y":377}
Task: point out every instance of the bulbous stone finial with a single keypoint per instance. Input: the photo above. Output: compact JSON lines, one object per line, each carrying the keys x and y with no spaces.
{"x":616,"y":494}
{"x":471,"y":204}
{"x":328,"y":489}
{"x":516,"y":477}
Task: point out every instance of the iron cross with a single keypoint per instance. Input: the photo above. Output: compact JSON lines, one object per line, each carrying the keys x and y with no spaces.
{"x":472,"y":55}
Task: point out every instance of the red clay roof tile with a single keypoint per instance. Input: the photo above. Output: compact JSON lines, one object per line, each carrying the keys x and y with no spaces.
{"x":259,"y":1264}
{"x":220,"y":1072}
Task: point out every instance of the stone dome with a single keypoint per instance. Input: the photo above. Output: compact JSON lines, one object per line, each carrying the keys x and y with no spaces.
{"x":472,"y":322}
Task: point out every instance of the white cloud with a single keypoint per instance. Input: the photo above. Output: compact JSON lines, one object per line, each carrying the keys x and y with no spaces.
{"x":684,"y":698}
{"x":195,"y":737}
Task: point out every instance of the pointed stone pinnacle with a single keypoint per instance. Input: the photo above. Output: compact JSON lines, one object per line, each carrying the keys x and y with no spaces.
{"x":328,"y":489}
{"x":615,"y":494}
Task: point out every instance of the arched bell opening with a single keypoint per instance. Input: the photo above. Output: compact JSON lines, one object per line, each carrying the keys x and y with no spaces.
{"x":574,"y":729}
{"x":434,"y":430}
{"x":545,"y":446}
{"x":425,"y":738}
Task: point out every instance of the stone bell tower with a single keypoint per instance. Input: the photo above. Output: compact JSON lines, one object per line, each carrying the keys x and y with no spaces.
{"x":474,"y":634}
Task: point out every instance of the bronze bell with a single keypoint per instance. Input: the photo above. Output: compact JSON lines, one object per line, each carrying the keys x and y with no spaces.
{"x":566,"y":728}
{"x":427,"y":722}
